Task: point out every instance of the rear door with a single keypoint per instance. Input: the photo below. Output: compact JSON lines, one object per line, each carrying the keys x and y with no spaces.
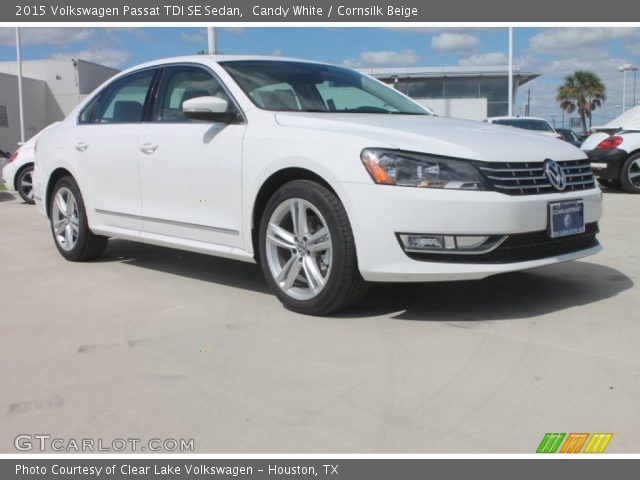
{"x":105,"y":144}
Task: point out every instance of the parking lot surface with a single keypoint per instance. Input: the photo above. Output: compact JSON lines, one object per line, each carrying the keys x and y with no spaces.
{"x":150,"y":342}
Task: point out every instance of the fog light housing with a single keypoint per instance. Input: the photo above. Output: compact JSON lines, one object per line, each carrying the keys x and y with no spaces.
{"x":434,"y":243}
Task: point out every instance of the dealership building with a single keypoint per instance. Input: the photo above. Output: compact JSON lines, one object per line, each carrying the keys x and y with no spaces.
{"x":473,"y":93}
{"x":51,"y":89}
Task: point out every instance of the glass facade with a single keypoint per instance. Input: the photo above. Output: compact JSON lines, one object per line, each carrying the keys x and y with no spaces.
{"x":493,"y":88}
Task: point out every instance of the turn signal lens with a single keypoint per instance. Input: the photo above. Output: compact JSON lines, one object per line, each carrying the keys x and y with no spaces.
{"x":13,"y":156}
{"x":610,"y":142}
{"x":379,"y":174}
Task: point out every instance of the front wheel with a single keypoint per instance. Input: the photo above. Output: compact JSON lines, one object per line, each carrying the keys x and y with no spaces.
{"x":69,"y":226}
{"x":307,"y":250}
{"x":630,"y":176}
{"x":24,"y":184}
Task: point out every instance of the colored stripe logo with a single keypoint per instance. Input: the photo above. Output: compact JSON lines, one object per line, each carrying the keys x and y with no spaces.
{"x":573,"y":442}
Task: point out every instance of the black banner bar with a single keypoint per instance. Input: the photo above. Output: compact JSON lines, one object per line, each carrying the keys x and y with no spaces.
{"x":337,"y":11}
{"x":441,"y":469}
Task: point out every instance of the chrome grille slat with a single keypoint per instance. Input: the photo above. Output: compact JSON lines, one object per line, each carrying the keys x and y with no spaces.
{"x":529,"y":178}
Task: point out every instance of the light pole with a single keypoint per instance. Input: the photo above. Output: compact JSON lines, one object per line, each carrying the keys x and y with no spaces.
{"x":211,"y":41}
{"x":20,"y":92}
{"x":510,"y":82}
{"x":627,"y":67}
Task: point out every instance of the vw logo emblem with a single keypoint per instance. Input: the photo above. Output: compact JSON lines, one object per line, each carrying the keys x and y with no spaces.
{"x":555,"y":174}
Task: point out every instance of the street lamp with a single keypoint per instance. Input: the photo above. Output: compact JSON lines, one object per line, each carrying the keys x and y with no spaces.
{"x":627,"y":67}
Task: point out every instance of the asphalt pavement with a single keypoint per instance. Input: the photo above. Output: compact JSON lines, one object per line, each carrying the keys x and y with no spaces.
{"x":150,"y":342}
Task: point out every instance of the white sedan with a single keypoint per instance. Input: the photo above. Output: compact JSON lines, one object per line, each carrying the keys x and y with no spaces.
{"x":324,"y":176}
{"x":18,"y":172}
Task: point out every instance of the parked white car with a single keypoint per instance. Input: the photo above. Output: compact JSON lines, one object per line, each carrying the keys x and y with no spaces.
{"x":614,"y":151}
{"x":326,"y":177}
{"x":539,"y":125}
{"x":17,"y":173}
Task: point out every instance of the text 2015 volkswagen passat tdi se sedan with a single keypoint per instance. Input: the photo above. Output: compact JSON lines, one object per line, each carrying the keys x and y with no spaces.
{"x":324,"y":176}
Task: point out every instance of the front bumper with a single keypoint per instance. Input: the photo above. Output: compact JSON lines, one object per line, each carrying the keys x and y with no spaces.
{"x":607,"y":163}
{"x":378,"y":213}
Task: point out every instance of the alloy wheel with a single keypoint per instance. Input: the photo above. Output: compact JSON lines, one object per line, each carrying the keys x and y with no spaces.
{"x":298,"y":249}
{"x":65,"y":219}
{"x":634,"y":173}
{"x":26,"y":184}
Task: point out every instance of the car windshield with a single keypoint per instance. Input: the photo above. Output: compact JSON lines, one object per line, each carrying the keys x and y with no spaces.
{"x":287,"y":86}
{"x":525,"y":123}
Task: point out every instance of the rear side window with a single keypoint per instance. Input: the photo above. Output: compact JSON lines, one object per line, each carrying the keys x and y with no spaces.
{"x":182,"y":83}
{"x":124,"y":101}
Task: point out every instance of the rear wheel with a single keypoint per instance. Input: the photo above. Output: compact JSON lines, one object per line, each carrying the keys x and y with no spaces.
{"x":69,"y":226}
{"x":630,"y":176}
{"x":307,"y":251}
{"x":24,"y":184}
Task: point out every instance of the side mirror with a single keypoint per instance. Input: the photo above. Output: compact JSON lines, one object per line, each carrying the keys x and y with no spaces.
{"x":210,"y":109}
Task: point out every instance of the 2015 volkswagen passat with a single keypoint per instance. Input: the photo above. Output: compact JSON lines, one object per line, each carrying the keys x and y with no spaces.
{"x":324,"y":176}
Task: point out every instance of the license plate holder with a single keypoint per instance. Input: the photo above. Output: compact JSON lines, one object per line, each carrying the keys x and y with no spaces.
{"x":566,"y":218}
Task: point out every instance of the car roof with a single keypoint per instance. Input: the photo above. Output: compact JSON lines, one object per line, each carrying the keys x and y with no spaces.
{"x":206,"y":58}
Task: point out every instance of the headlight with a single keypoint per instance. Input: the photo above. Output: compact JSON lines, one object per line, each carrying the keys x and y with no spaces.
{"x":394,"y":167}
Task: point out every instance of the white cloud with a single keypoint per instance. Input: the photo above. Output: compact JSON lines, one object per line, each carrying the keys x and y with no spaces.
{"x":278,"y":52}
{"x":45,"y":35}
{"x":484,"y":59}
{"x":382,"y":58}
{"x":570,"y":39}
{"x":454,"y":42}
{"x":196,"y":37}
{"x":106,"y":56}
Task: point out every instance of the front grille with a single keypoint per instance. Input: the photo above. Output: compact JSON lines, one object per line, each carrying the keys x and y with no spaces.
{"x":522,"y":247}
{"x":529,"y":178}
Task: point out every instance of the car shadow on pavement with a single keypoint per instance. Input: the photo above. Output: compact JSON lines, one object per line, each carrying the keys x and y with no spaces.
{"x":501,"y":297}
{"x":6,"y":197}
{"x":197,"y":266}
{"x":515,"y":295}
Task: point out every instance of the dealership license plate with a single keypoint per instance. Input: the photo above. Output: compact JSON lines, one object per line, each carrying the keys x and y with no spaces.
{"x":566,"y":218}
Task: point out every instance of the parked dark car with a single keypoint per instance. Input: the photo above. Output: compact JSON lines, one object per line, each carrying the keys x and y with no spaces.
{"x":569,"y":136}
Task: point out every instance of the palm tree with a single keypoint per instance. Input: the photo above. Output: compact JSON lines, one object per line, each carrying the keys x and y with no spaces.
{"x":582,"y":91}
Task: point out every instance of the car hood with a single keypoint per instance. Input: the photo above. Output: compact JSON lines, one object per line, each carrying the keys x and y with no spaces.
{"x":438,"y":136}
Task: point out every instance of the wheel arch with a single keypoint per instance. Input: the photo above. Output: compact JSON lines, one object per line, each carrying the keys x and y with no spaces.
{"x":56,"y":175}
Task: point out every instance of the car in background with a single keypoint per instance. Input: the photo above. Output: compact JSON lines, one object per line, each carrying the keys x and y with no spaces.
{"x":535,"y":124}
{"x":570,"y":136}
{"x":17,"y":173}
{"x":325,"y":177}
{"x":614,"y":151}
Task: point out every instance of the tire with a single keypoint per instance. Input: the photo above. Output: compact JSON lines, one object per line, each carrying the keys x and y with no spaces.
{"x":609,"y":183}
{"x":291,"y":264}
{"x":24,"y":184}
{"x":71,"y":234}
{"x":630,"y":174}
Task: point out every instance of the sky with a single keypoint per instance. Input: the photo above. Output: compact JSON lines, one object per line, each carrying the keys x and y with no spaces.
{"x":552,"y":52}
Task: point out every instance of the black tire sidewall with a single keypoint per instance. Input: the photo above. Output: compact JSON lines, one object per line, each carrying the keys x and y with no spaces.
{"x":76,"y":253}
{"x":313,"y":193}
{"x":21,"y":174}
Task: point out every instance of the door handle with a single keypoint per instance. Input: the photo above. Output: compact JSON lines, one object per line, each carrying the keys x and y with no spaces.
{"x":148,"y":148}
{"x":82,"y":146}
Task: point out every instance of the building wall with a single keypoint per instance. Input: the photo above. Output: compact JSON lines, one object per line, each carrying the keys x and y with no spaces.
{"x":62,"y":85}
{"x":467,"y":108}
{"x":35,"y":116}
